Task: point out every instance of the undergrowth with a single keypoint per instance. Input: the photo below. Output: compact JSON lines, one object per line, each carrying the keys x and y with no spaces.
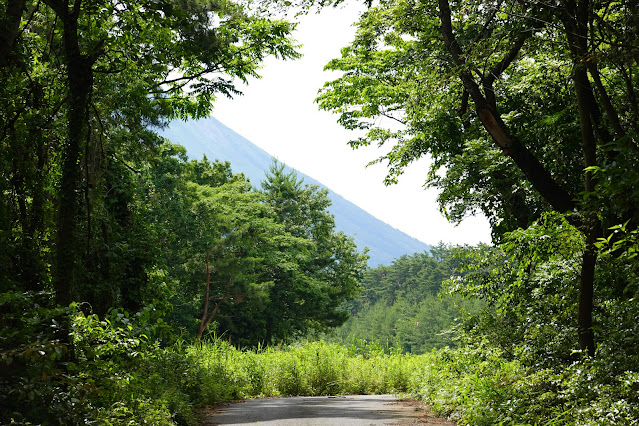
{"x":115,"y":371}
{"x":312,"y":369}
{"x":480,"y":386}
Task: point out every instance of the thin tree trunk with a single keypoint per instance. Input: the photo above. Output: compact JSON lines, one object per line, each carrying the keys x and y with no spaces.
{"x":206,"y":317}
{"x":586,"y":295}
{"x":205,"y":314}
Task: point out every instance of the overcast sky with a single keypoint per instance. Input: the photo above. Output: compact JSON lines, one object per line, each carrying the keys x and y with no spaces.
{"x":278,"y":114}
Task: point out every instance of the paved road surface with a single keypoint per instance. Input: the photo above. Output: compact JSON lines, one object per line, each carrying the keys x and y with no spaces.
{"x":353,"y":410}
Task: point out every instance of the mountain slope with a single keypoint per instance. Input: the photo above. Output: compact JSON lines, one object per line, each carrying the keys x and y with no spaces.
{"x":211,"y":138}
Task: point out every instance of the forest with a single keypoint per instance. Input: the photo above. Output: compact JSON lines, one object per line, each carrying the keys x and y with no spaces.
{"x":138,"y":285}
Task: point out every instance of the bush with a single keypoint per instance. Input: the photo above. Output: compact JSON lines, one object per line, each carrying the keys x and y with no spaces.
{"x":88,"y":370}
{"x":480,"y":386}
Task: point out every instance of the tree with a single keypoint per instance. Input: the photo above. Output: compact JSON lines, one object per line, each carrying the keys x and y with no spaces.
{"x":233,"y":262}
{"x":400,"y":304}
{"x":311,"y":282}
{"x":81,"y":83}
{"x":241,"y":236}
{"x":525,"y":107}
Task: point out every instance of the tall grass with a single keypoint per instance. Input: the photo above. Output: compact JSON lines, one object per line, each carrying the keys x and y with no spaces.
{"x":315,"y":368}
{"x":470,"y":385}
{"x":163,"y":386}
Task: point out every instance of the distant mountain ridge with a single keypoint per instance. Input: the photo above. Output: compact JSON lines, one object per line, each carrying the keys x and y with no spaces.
{"x":211,"y":138}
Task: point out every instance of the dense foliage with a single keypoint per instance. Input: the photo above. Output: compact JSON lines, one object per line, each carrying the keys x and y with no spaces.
{"x":517,"y":359}
{"x":400,"y":304}
{"x":101,"y":219}
{"x":119,"y":376}
{"x":511,"y":359}
{"x":113,"y":243}
{"x":115,"y":373}
{"x":263,"y":280}
{"x":82,"y":82}
{"x":480,"y":386}
{"x":525,"y":108}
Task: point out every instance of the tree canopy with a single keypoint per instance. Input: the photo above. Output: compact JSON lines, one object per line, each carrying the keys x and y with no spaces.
{"x":82,"y":83}
{"x":524,"y":107}
{"x":400,"y":305}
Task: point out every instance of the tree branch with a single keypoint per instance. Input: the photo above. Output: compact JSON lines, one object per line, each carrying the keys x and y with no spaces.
{"x":510,"y":56}
{"x":611,"y":113}
{"x":534,"y":171}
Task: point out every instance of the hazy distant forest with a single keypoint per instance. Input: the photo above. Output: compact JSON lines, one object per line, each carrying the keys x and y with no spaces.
{"x":137,"y":285}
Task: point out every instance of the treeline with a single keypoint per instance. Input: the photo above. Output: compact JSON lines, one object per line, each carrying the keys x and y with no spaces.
{"x":192,"y":250}
{"x":529,"y":114}
{"x":400,"y":305}
{"x":274,"y":266}
{"x":113,"y":243}
{"x":176,"y":231}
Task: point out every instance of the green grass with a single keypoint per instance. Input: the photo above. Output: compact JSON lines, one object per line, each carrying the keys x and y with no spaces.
{"x":472,"y":386}
{"x":315,"y":368}
{"x":164,"y":386}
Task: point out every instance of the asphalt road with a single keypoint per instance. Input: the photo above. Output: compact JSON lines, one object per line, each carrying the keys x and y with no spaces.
{"x":352,"y":410}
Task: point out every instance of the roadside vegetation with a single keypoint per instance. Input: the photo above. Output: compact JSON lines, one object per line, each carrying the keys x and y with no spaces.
{"x":121,"y":259}
{"x":508,"y":361}
{"x":117,"y":371}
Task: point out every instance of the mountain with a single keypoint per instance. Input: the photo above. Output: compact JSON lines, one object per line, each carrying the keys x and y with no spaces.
{"x":211,"y":138}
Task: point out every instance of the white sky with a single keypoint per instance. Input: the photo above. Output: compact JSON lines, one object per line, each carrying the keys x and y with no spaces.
{"x":278,"y":114}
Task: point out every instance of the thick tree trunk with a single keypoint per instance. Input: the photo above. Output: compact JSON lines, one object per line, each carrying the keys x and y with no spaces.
{"x":535,"y":172}
{"x":589,"y":260}
{"x":80,"y":83}
{"x":576,"y":24}
{"x":10,"y":28}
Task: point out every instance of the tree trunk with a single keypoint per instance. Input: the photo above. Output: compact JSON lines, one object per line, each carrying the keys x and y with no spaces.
{"x":10,"y":28}
{"x":535,"y":172}
{"x":586,"y":294}
{"x":205,"y":314}
{"x":575,"y":20}
{"x":206,"y":317}
{"x":589,"y":260}
{"x":576,"y":24}
{"x":80,"y":83}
